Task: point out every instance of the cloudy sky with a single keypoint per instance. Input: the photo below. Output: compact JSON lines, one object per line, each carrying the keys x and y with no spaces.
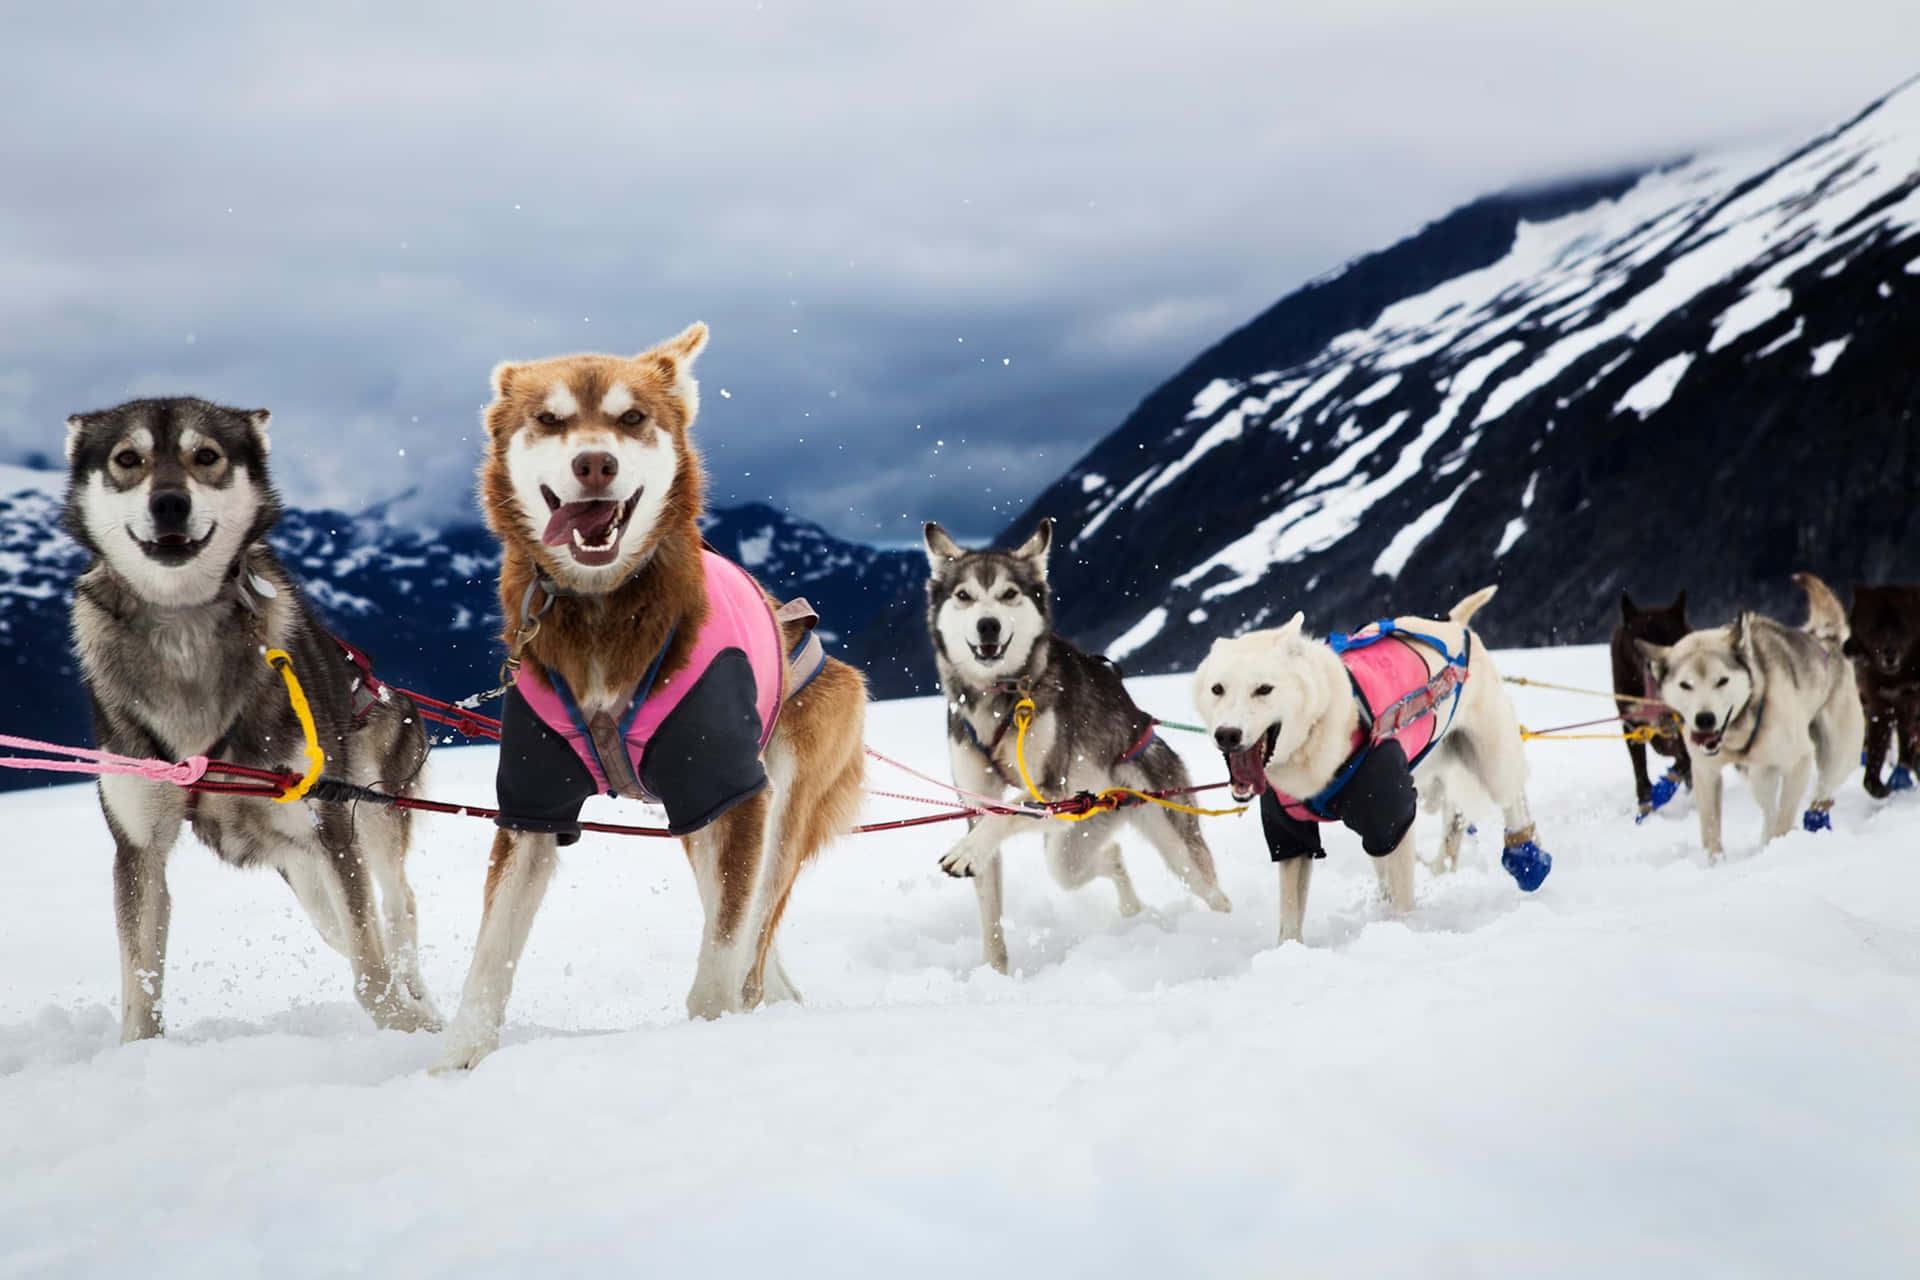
{"x":943,"y":248}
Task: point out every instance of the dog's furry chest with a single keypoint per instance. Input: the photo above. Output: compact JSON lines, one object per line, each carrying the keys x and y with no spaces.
{"x":986,"y":745}
{"x":181,"y":676}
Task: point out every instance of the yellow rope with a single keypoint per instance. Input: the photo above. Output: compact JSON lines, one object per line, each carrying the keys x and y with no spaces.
{"x":1023,"y":716}
{"x":316,"y":758}
{"x":1641,"y":733}
{"x":1567,"y":688}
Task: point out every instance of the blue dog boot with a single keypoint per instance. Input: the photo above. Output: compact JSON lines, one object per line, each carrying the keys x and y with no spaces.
{"x":1818,"y":818}
{"x":1664,"y":790}
{"x":1901,"y":779}
{"x":1526,"y":861}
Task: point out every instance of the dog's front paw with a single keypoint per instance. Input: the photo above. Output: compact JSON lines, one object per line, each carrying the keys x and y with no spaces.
{"x":1818,"y":818}
{"x":1881,"y":790}
{"x":1528,"y":864}
{"x":1901,"y":779}
{"x":398,"y":1010}
{"x":959,"y":861}
{"x":464,"y":1053}
{"x":469,"y":1039}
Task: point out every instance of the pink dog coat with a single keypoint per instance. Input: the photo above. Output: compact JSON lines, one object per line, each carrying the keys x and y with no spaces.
{"x":690,"y":741}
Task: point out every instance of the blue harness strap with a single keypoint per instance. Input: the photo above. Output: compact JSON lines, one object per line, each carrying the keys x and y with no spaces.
{"x":804,"y":663}
{"x":639,"y":699}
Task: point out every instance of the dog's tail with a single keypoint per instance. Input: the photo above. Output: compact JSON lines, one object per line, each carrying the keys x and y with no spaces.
{"x":1461,"y":612}
{"x":1826,"y":619}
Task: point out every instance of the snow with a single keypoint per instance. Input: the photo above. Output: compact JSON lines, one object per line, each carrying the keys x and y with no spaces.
{"x":1216,"y":434}
{"x":1786,"y":339}
{"x":1743,"y":317}
{"x":1119,"y":500}
{"x":1393,"y":558}
{"x":30,"y":480}
{"x":1378,"y":391}
{"x":1517,"y":527}
{"x":1826,"y":353}
{"x":1212,"y":396}
{"x":1138,"y":634}
{"x":755,"y":550}
{"x":1654,"y":390}
{"x":1319,"y":519}
{"x":1315,"y":392}
{"x":1515,"y":530}
{"x":1650,"y":1067}
{"x":1091,"y":481}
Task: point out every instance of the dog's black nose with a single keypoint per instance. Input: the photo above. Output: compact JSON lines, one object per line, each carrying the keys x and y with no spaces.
{"x":1227,"y":738}
{"x":595,"y":470}
{"x":1703,"y":721}
{"x":989,"y":629}
{"x":170,"y":509}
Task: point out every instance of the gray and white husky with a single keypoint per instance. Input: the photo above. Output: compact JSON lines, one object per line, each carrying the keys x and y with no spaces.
{"x":1780,"y":703}
{"x":991,"y":617}
{"x":171,"y":622}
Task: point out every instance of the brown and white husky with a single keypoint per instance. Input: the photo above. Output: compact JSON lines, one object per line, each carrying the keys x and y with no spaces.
{"x":632,"y":677}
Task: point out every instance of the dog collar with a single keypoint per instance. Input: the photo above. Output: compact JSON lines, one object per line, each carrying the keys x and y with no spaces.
{"x":1759,"y":710}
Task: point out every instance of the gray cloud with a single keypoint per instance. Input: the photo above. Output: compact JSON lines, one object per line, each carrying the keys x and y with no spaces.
{"x":992,"y":226}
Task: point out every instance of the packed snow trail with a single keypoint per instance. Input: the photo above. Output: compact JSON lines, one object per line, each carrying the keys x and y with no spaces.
{"x":1649,"y":1067}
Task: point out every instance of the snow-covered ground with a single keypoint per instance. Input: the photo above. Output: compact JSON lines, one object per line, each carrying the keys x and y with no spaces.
{"x":1650,"y":1067}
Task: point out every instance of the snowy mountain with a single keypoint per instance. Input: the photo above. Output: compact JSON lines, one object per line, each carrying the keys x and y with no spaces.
{"x":1705,"y":376}
{"x":422,"y":603}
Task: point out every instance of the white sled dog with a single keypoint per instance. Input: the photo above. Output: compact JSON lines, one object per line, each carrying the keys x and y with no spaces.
{"x":1781,"y":703}
{"x":1356,"y":729}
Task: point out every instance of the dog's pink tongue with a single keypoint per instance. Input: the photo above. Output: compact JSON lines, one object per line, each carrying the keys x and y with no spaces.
{"x":1247,"y":772}
{"x":592,"y":519}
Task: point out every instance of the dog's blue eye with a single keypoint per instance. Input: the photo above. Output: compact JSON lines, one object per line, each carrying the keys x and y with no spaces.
{"x":632,"y":418}
{"x":547,"y":419}
{"x":1263,"y":691}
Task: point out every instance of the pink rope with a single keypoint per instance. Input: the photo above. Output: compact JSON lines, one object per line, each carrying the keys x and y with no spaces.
{"x":87,"y":760}
{"x":978,"y":800}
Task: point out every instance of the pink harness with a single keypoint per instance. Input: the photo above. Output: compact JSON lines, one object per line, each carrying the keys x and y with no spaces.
{"x":1398,"y":698}
{"x":738,"y":617}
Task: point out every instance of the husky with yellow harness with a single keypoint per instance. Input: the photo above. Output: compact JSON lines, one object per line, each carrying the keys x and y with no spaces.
{"x":174,"y":623}
{"x":1027,"y":714}
{"x":1354,"y":728}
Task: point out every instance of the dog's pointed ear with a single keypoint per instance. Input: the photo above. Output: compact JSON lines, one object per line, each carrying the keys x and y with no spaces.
{"x":1291,"y":627}
{"x":1740,"y":631}
{"x":1035,"y":547}
{"x":75,"y":426}
{"x":1627,"y":609}
{"x":941,"y":549}
{"x":260,"y":419}
{"x":673,"y":360}
{"x":1852,"y":648}
{"x":684,"y":346}
{"x":503,"y":375}
{"x":1654,"y":656}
